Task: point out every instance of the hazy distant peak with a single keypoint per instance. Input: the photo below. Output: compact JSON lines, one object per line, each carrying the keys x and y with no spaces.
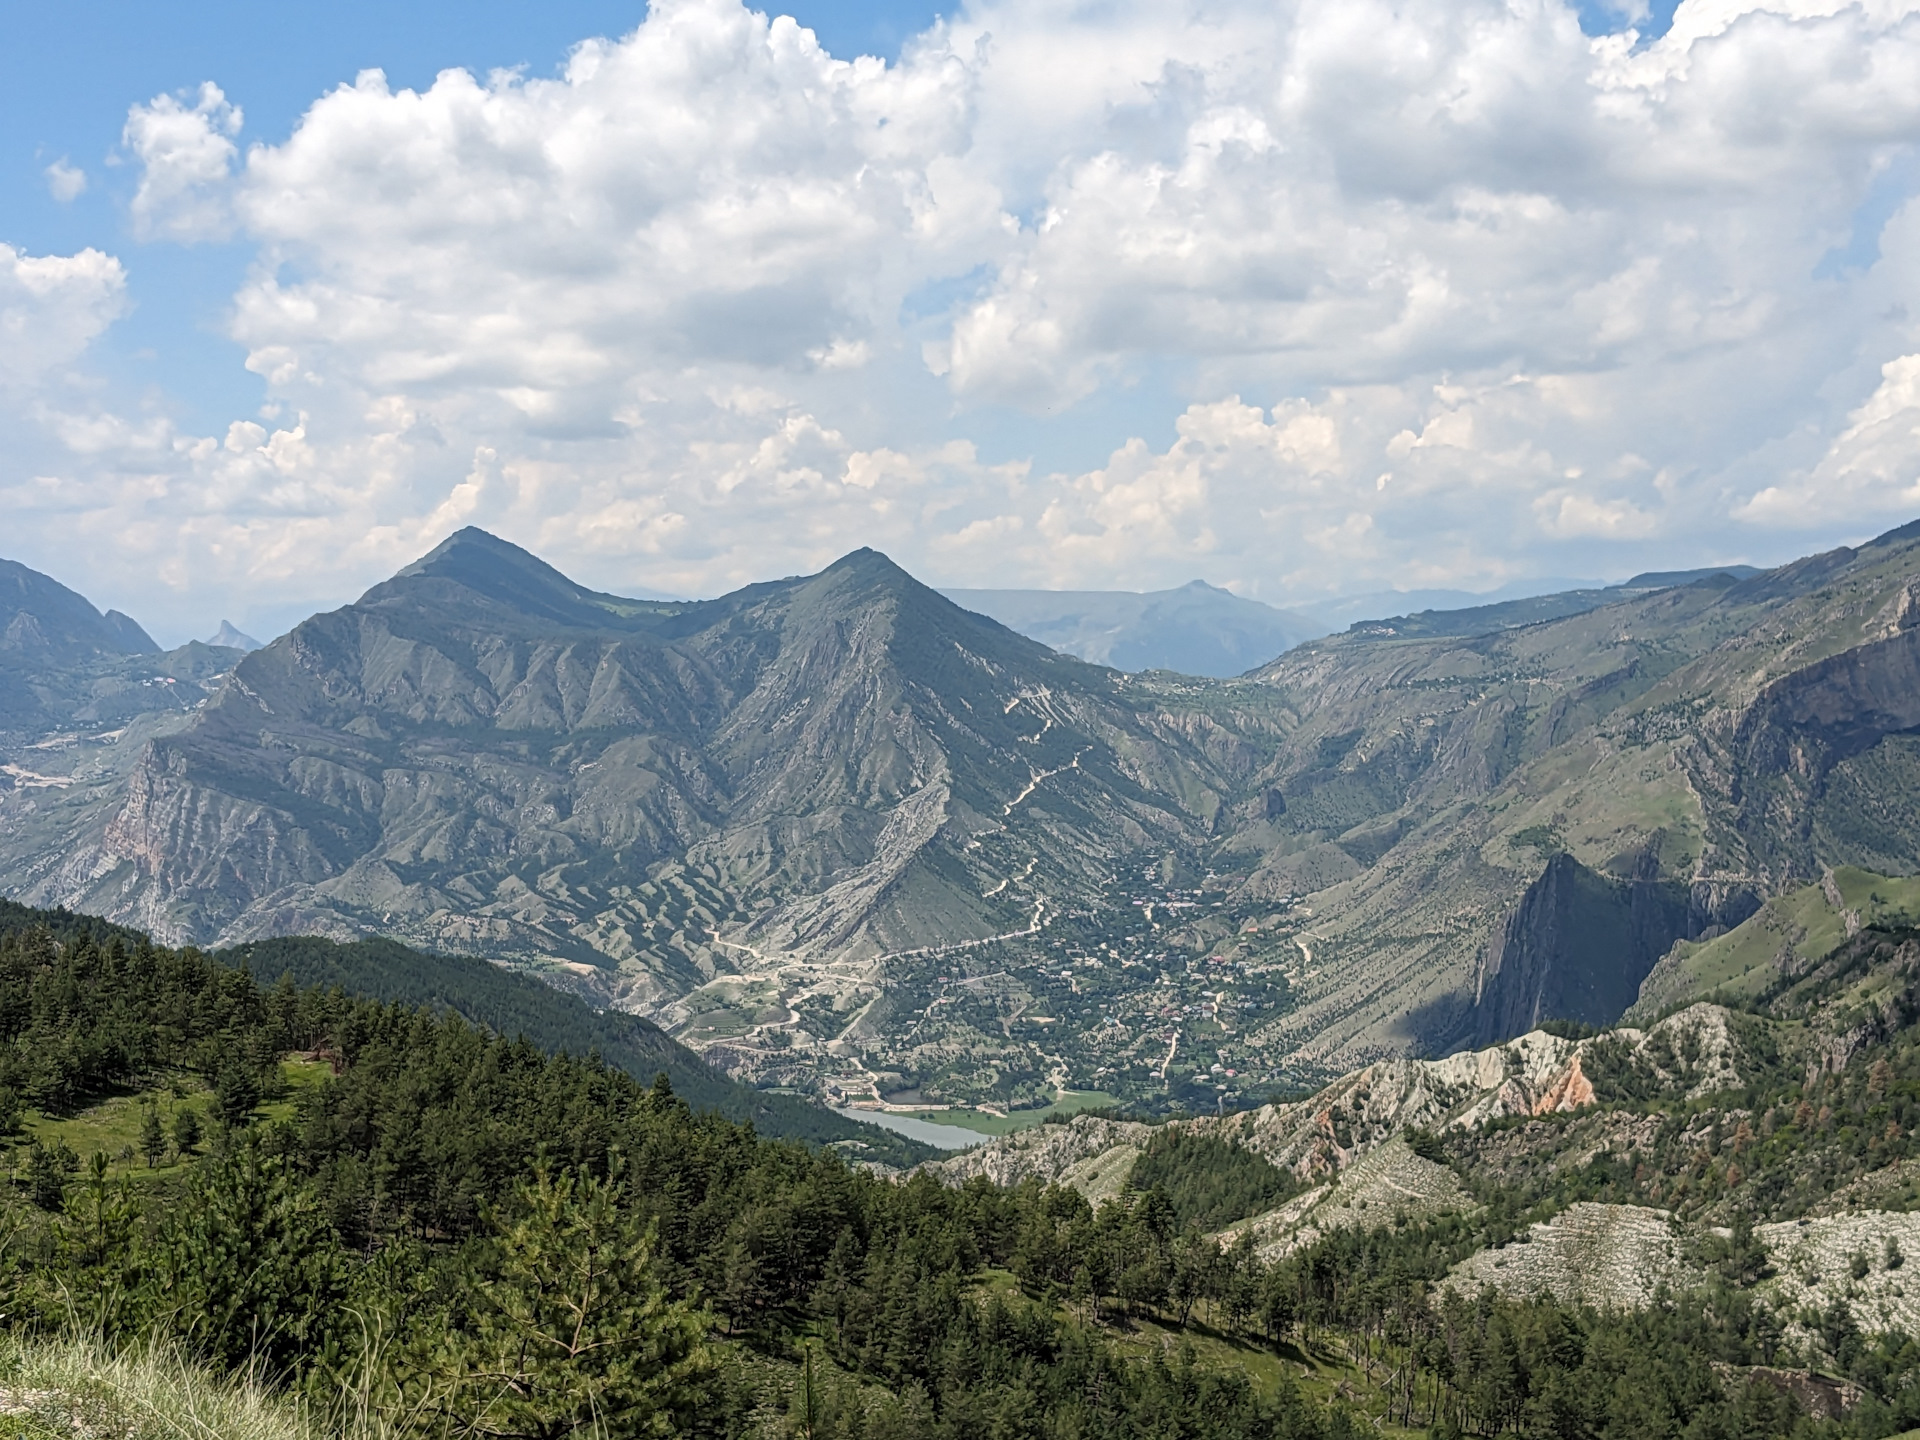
{"x":1666,"y":579}
{"x":231,"y":638}
{"x":1197,"y":628}
{"x":39,"y":615}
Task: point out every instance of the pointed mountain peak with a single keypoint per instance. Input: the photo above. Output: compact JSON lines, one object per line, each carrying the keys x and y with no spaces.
{"x":500,"y":571}
{"x":866,"y":572}
{"x":866,"y":561}
{"x":472,"y":546}
{"x":232,"y":638}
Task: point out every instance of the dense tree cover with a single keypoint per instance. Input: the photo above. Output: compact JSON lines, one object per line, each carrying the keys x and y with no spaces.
{"x":1208,"y":1182}
{"x":507,"y":1002}
{"x":472,"y":1234}
{"x":512,"y":1003}
{"x":441,"y":1171}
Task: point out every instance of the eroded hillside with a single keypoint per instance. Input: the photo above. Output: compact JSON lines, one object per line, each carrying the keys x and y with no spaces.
{"x":847,"y":837}
{"x":1771,"y":1147}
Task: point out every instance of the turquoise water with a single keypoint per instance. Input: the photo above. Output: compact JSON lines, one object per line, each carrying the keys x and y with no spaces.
{"x":945,"y":1137}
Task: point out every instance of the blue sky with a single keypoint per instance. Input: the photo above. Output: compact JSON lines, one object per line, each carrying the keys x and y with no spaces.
{"x":1303,"y":297}
{"x":69,"y":74}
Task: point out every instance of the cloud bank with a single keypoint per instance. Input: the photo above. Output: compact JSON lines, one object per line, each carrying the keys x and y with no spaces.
{"x":1435,"y":292}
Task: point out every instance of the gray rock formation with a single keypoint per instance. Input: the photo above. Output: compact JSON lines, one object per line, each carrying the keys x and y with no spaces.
{"x":1576,"y":947}
{"x":482,"y":755}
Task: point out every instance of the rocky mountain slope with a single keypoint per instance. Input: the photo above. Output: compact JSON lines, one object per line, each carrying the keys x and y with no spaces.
{"x":1319,"y":1138}
{"x":56,"y":651}
{"x":80,"y":694}
{"x":1771,"y":1148}
{"x":846,"y":835}
{"x":480,"y":754}
{"x":1701,"y":747}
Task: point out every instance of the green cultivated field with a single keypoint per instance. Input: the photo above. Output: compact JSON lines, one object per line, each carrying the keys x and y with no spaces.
{"x":1071,"y":1102}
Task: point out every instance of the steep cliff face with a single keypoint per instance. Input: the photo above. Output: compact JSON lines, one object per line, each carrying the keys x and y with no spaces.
{"x":1837,"y":720}
{"x":1576,"y":947}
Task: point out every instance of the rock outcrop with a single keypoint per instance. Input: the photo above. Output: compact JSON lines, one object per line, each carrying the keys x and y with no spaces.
{"x":1613,"y":1257}
{"x":1321,"y":1138}
{"x":1391,"y":1183}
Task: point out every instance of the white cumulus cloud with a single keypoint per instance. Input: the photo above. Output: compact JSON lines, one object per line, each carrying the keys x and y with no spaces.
{"x":51,"y":307}
{"x":186,"y":152}
{"x":1322,"y":293}
{"x":65,"y":182}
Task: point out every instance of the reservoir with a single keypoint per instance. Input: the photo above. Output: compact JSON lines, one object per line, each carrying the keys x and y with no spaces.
{"x":944,"y":1137}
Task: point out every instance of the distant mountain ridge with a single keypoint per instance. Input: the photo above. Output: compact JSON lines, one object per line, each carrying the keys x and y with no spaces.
{"x":41,"y":617}
{"x":1197,"y":629}
{"x":1534,"y":609}
{"x":65,"y":664}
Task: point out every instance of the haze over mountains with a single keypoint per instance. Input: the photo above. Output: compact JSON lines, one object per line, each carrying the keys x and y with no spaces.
{"x":1197,"y":629}
{"x":232,"y":639}
{"x":843,"y":834}
{"x":1200,"y":629}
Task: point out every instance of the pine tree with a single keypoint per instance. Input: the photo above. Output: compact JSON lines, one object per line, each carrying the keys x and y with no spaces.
{"x":48,"y":1169}
{"x":572,"y":1331}
{"x":186,"y":1130}
{"x":153,"y":1135}
{"x":235,"y":1093}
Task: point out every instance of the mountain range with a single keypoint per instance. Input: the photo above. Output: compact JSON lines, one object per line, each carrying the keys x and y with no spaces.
{"x":1197,"y":629}
{"x":1200,"y":629}
{"x":845,"y":835}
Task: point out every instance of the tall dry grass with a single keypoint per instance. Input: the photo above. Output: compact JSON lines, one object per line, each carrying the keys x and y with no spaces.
{"x":82,"y":1389}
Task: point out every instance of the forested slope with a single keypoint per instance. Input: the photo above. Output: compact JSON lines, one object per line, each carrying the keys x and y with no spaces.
{"x":509,"y":1004}
{"x":390,"y":1203}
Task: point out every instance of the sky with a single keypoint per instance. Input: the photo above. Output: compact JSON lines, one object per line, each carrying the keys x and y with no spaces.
{"x":1300,"y":297}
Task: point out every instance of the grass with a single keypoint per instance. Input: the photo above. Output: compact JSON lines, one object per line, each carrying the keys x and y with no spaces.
{"x":1321,"y":1375}
{"x":1741,"y":963}
{"x":113,"y":1126}
{"x":75,"y":1389}
{"x":1070,"y":1102}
